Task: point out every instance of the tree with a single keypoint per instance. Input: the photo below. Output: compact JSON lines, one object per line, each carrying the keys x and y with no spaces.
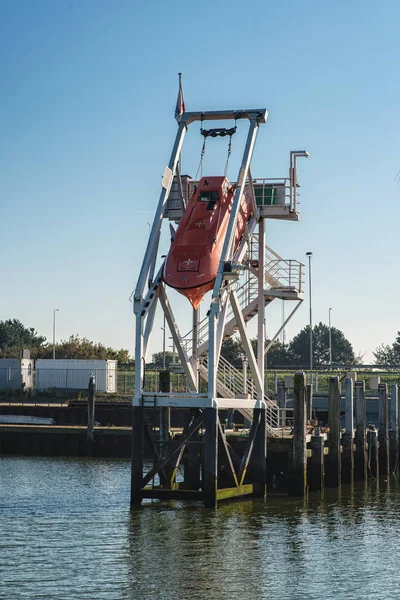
{"x":82,"y":348}
{"x":387,"y":354}
{"x":158,"y":359}
{"x":14,"y":336}
{"x":232,"y":350}
{"x":342,"y":350}
{"x":279,"y":355}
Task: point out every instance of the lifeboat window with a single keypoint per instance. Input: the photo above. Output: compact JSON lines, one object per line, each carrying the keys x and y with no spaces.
{"x":210,"y":197}
{"x":206,"y":196}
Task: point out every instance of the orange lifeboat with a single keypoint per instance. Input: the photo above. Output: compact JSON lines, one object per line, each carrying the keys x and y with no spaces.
{"x":192,"y":262}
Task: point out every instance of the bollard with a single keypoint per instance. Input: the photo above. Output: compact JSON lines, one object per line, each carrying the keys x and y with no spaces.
{"x":360,"y":458}
{"x":333,"y":462}
{"x":309,"y":398}
{"x":347,"y":437}
{"x":393,"y":431}
{"x":282,"y":394}
{"x":298,"y":480}
{"x":383,"y":432}
{"x":316,"y":463}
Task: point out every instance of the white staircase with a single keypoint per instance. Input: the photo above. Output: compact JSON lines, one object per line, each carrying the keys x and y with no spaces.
{"x":283,"y":279}
{"x":230,"y":384}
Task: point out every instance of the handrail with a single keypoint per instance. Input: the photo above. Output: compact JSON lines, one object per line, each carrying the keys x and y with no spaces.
{"x":230,"y":383}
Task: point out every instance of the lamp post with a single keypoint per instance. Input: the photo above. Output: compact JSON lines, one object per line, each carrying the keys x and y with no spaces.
{"x":309,"y":254}
{"x":163,"y":345}
{"x":330,"y":339}
{"x":54,"y":331}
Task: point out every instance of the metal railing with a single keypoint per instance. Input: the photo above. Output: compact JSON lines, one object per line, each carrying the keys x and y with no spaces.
{"x":230,"y":384}
{"x":272,"y":192}
{"x":267,"y":191}
{"x":246,"y":293}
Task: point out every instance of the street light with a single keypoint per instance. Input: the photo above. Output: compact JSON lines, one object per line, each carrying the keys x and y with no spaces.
{"x":163,"y":349}
{"x":309,"y":254}
{"x":330,"y":339}
{"x":54,"y":331}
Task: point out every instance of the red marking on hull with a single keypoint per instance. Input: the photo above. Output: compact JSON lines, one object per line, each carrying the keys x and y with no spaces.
{"x":192,"y":262}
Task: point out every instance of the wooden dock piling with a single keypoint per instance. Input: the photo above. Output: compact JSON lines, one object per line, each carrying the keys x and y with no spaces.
{"x":383,"y":432}
{"x":210,"y":476}
{"x":333,"y":462}
{"x":281,"y":400}
{"x":316,"y":470}
{"x":360,"y":458}
{"x":90,"y":416}
{"x":259,"y":455}
{"x":394,"y":429}
{"x":347,"y":437}
{"x":137,"y":455}
{"x":298,"y":482}
{"x":373,"y":460}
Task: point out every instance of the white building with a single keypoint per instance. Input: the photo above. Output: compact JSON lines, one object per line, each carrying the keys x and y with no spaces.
{"x":16,"y":373}
{"x":74,"y":374}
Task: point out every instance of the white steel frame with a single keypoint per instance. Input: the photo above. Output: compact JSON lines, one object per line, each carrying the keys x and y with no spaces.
{"x":146,"y":302}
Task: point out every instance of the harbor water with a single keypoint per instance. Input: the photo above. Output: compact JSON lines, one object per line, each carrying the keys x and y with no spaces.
{"x":67,"y":533}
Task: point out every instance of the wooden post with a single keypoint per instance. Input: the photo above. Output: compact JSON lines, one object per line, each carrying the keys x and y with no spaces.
{"x":360,"y":459}
{"x":137,"y":455}
{"x":394,"y":429}
{"x":373,"y":462}
{"x":282,"y":402}
{"x":91,"y":407}
{"x":316,"y":464}
{"x":259,"y":456}
{"x":347,"y":438}
{"x":333,"y":462}
{"x":309,"y":397}
{"x":298,"y":480}
{"x":191,"y":464}
{"x":383,"y":432}
{"x":165,"y":425}
{"x":210,"y":474}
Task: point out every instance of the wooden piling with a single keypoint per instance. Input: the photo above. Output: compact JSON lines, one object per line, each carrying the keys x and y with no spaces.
{"x":210,"y":474}
{"x":316,"y":464}
{"x":137,"y":455}
{"x":298,"y":479}
{"x":347,"y":458}
{"x":191,"y":464}
{"x":383,"y":432}
{"x":281,"y":399}
{"x":91,"y":409}
{"x":259,"y":456}
{"x":373,"y":460}
{"x":309,"y":399}
{"x":394,"y":429}
{"x":360,"y":458}
{"x":333,"y":459}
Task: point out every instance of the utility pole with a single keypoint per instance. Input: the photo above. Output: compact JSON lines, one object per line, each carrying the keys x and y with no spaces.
{"x":54,"y":332}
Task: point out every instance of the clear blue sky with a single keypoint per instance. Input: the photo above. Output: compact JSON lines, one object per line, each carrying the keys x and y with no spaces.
{"x":87,"y":97}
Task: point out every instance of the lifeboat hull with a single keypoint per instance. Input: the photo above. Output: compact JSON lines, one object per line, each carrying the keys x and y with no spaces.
{"x":192,"y":262}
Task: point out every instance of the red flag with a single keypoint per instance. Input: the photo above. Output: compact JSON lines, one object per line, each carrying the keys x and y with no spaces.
{"x":180,"y":102}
